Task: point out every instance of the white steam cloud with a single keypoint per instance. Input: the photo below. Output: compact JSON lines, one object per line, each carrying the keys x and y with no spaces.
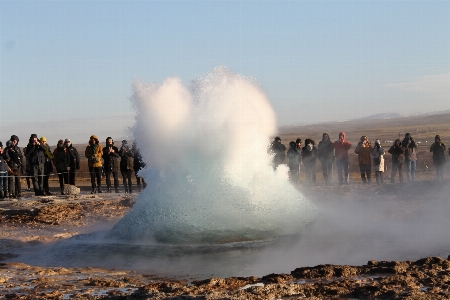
{"x":210,"y":178}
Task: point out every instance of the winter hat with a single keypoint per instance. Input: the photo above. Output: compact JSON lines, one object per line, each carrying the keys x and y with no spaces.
{"x":94,"y":137}
{"x":67,"y":141}
{"x":34,"y":135}
{"x":124,"y":142}
{"x":109,"y":138}
{"x":277,"y":138}
{"x":407,"y":135}
{"x":43,"y":139}
{"x":377,"y":142}
{"x":292,"y":144}
{"x":437,"y":137}
{"x":14,"y":138}
{"x":8,"y":143}
{"x":298,"y":141}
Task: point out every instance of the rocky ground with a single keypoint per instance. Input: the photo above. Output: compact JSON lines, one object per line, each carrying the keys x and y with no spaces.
{"x":42,"y":220}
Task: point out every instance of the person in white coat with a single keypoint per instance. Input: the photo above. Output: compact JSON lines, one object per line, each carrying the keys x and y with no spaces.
{"x":378,"y":161}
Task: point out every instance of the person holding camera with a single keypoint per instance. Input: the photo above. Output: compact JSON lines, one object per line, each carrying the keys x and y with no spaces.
{"x":111,"y":164}
{"x":94,"y":153}
{"x":364,"y":149}
{"x":61,"y":161}
{"x":277,"y":149}
{"x":36,"y":158}
{"x":74,"y":161}
{"x":398,"y":158}
{"x":309,"y":157}
{"x":15,"y":163}
{"x":341,"y":147}
{"x":410,"y":156}
{"x":126,"y":165}
{"x":438,"y":149}
{"x":378,"y":161}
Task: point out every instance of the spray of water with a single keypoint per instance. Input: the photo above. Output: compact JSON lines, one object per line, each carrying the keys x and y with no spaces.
{"x":209,"y":176}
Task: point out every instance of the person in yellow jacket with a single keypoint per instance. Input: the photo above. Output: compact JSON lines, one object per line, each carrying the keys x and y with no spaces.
{"x":363,"y":149}
{"x":94,"y":153}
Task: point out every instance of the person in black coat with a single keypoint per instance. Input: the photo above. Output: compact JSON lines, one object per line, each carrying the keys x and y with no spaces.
{"x":36,"y":158}
{"x":16,"y":165}
{"x":138,"y":165}
{"x":293,"y":155}
{"x":398,"y":159}
{"x":438,"y":149}
{"x":3,"y":172}
{"x":111,"y":164}
{"x":126,"y":165}
{"x":74,"y":161}
{"x":277,"y":149}
{"x":325,"y":153}
{"x":309,"y":157}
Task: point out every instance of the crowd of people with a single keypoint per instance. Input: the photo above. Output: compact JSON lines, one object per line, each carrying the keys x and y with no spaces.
{"x":37,"y":162}
{"x":404,"y":158}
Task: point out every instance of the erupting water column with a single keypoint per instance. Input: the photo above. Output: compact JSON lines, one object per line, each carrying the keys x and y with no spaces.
{"x":210,"y":179}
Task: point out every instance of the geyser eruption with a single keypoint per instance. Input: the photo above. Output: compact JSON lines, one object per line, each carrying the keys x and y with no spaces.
{"x":210,"y":178}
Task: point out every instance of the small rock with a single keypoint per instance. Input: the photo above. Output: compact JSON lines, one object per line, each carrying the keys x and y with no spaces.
{"x":71,"y":190}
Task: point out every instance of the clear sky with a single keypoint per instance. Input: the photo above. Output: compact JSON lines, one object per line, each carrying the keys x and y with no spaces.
{"x":66,"y":67}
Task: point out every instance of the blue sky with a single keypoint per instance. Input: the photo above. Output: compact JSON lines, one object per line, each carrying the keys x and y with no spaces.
{"x":66,"y":67}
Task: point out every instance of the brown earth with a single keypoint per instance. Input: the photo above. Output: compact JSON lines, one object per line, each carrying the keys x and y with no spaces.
{"x":42,"y":220}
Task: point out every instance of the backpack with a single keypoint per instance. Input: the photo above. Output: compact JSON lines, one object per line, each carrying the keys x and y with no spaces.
{"x":130,"y":162}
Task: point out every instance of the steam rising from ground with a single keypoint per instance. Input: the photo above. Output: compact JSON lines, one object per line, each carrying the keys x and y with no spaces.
{"x":210,"y":178}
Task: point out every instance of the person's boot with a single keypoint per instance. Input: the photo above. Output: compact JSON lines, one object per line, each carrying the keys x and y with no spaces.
{"x":42,"y":193}
{"x":94,"y":190}
{"x":100,"y":190}
{"x":48,"y":193}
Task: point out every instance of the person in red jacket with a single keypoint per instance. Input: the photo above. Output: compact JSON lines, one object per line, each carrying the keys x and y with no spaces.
{"x":341,"y":148}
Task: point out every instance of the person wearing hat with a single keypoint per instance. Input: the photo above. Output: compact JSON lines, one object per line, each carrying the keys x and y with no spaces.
{"x":341,"y":147}
{"x":48,"y":167}
{"x":378,"y":161}
{"x":94,"y":153}
{"x":325,"y":153}
{"x":111,"y":164}
{"x":15,"y":163}
{"x":438,"y":149}
{"x":74,"y":161}
{"x":36,"y":158}
{"x":410,"y":156}
{"x":363,"y":149}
